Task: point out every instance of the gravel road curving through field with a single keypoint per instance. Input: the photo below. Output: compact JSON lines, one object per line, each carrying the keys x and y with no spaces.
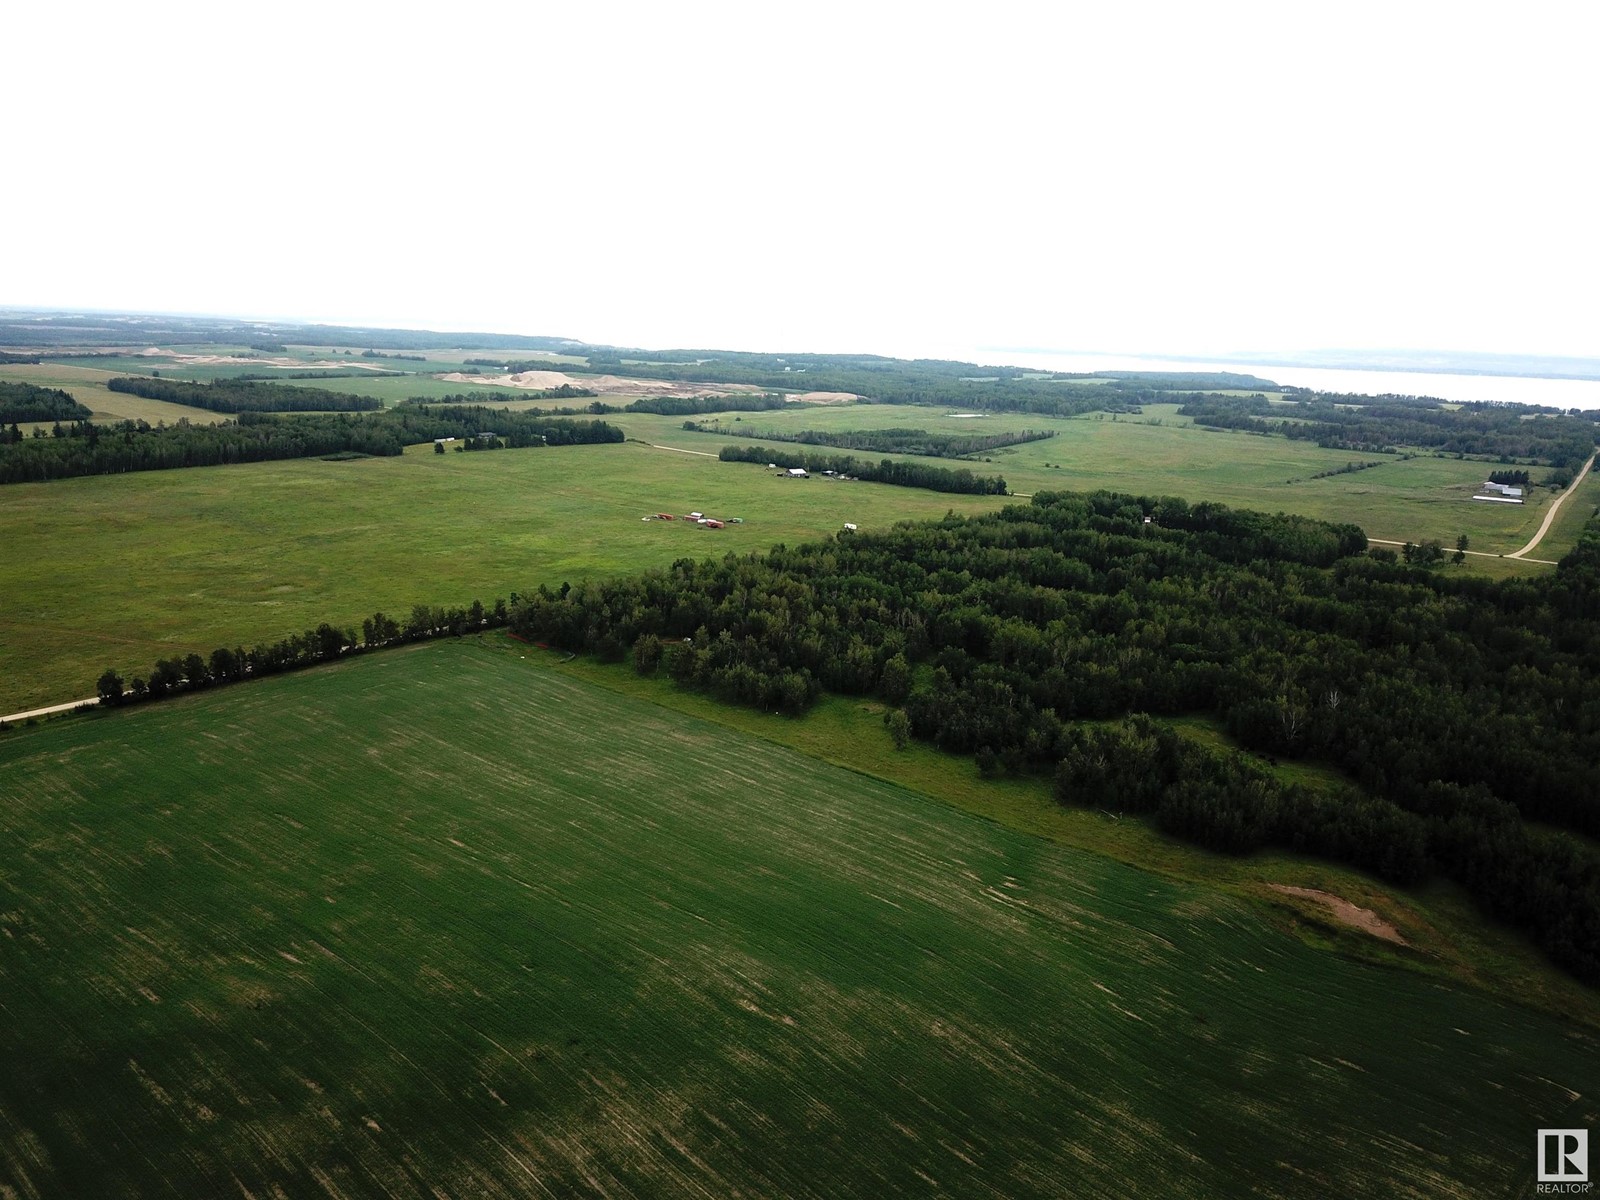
{"x":1555,"y":506}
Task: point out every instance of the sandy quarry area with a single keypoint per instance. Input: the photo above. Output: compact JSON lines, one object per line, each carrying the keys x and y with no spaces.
{"x":1346,"y":913}
{"x":609,"y":385}
{"x":232,"y":360}
{"x":821,"y":397}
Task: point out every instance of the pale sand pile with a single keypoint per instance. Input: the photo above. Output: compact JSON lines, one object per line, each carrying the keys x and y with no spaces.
{"x":233,"y":360}
{"x":822,"y":397}
{"x":610,"y":385}
{"x":1346,"y":913}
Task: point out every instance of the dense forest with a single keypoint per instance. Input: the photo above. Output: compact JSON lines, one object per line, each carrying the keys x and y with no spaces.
{"x":564,"y":391}
{"x":683,"y":406}
{"x":25,"y":402}
{"x":1381,"y":423}
{"x":900,"y":474}
{"x":242,"y":396}
{"x":517,"y":366}
{"x":1462,"y":709}
{"x":883,"y":441}
{"x":84,"y":448}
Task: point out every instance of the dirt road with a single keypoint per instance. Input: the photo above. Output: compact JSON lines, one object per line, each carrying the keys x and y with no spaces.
{"x":680,"y":450}
{"x":1555,"y":505}
{"x":1478,"y":553}
{"x":14,"y":718}
{"x":1544,"y":527}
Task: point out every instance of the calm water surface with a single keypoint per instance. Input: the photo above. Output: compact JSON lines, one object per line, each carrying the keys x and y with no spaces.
{"x":1560,"y":393}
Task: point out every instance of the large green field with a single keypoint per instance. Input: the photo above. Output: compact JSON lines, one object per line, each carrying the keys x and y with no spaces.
{"x":118,"y":571}
{"x":1160,"y":453}
{"x":122,"y":570}
{"x":477,"y":926}
{"x":1155,"y":452}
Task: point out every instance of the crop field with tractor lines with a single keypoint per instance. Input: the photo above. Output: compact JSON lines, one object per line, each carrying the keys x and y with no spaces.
{"x":452,"y":919}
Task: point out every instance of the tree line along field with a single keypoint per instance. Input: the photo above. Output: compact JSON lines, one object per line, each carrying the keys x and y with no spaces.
{"x":479,"y":926}
{"x":120,"y":570}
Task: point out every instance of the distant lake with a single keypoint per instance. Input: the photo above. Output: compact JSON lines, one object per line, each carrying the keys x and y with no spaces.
{"x":1559,"y":393}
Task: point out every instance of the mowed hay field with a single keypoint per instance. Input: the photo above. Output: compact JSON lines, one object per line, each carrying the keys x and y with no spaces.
{"x":118,"y":571}
{"x":449,"y":921}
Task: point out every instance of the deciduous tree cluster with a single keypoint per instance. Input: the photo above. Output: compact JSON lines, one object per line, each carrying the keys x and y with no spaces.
{"x":1505,"y":431}
{"x":242,"y":396}
{"x":885,"y":441}
{"x":901,"y":474}
{"x":25,"y":402}
{"x":90,"y":449}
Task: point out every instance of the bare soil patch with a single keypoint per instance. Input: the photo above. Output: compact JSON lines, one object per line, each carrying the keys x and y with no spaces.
{"x":612,"y":385}
{"x":234,"y":360}
{"x":1346,"y":913}
{"x":821,"y":397}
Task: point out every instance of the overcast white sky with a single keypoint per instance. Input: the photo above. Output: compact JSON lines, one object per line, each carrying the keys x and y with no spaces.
{"x":900,"y":178}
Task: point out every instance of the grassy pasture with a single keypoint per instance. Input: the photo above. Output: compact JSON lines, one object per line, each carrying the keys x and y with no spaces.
{"x":122,"y":570}
{"x":476,"y":925}
{"x":1163,"y":454}
{"x":1157,"y":452}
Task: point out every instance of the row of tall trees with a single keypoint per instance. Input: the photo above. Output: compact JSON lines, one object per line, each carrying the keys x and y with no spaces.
{"x":565,"y":391}
{"x":86,"y":448}
{"x":170,"y":676}
{"x":885,"y":441}
{"x":1510,"y":478}
{"x":1461,"y":709}
{"x":900,"y":474}
{"x":1506,"y":431}
{"x":242,"y":396}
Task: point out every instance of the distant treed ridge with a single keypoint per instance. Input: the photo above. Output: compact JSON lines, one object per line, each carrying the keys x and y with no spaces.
{"x":882,"y":380}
